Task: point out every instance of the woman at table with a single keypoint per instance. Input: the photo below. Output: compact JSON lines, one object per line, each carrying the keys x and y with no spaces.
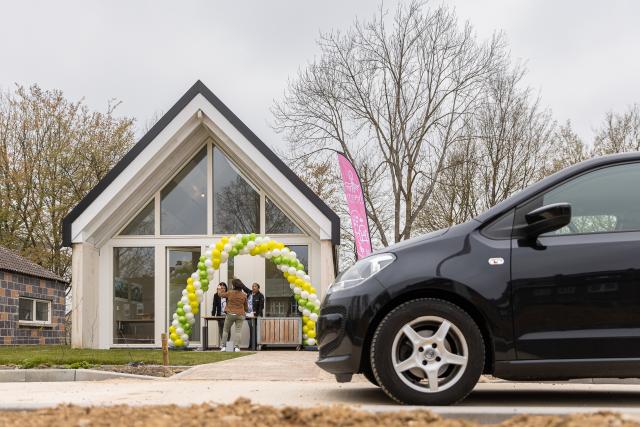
{"x":219,"y":303}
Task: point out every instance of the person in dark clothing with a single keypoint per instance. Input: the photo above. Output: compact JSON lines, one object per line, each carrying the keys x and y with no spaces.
{"x":219,"y":303}
{"x":257,"y":301}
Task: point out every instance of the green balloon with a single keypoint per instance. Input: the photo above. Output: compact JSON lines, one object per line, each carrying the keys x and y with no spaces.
{"x":202,"y":258}
{"x":180,"y":311}
{"x":252,"y":236}
{"x":182,"y":319}
{"x":277,"y":260}
{"x":299,"y":266}
{"x":204,"y":282}
{"x":302,"y":301}
{"x":233,"y":252}
{"x":239,"y":246}
{"x":297,"y":297}
{"x":180,"y":304}
{"x":201,"y":266}
{"x":245,"y":239}
{"x":311,"y":306}
{"x":202,"y":274}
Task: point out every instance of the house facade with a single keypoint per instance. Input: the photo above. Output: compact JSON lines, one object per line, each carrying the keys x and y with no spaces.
{"x":32,"y":302}
{"x":199,"y":174}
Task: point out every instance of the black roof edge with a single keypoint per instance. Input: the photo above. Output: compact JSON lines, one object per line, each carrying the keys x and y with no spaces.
{"x":199,"y":88}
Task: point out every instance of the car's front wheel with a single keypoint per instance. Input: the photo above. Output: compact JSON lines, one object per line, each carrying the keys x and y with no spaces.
{"x":427,"y":352}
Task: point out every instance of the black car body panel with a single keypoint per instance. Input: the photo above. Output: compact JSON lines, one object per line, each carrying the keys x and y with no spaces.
{"x":540,"y":305}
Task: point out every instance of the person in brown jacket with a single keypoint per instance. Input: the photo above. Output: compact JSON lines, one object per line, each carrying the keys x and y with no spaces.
{"x":236,"y":309}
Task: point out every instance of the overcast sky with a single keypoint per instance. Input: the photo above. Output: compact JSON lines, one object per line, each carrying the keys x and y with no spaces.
{"x":582,"y":56}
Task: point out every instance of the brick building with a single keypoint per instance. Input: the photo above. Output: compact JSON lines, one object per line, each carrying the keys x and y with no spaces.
{"x":32,"y":302}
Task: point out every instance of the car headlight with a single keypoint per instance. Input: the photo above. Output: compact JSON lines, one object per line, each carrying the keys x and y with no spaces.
{"x":361,"y":271}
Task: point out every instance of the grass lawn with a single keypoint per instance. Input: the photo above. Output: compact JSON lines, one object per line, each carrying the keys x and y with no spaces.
{"x":32,"y":356}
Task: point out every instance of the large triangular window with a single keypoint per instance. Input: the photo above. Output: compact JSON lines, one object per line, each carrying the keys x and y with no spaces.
{"x":143,"y":224}
{"x":236,"y":203}
{"x":183,"y":201}
{"x":277,"y":221}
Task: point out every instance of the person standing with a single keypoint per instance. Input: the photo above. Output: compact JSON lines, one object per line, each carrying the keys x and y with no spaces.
{"x":236,"y":309}
{"x":255,"y":305}
{"x":219,"y":308}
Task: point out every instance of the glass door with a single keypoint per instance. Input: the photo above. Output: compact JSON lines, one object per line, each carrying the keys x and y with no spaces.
{"x":181,"y":262}
{"x":279,"y":299}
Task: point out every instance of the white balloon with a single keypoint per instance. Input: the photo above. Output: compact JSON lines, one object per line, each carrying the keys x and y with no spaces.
{"x":171,"y":344}
{"x":224,"y":255}
{"x":304,"y":294}
{"x":239,"y":237}
{"x":313,"y":296}
{"x":244,"y":251}
{"x":207,"y":254}
{"x":314,"y":317}
{"x":301,"y":308}
{"x":184,"y":337}
{"x":187,"y":308}
{"x":258,"y":240}
{"x":268,"y":255}
{"x":191,"y":321}
{"x":194,"y":276}
{"x":292,"y":285}
{"x":307,"y":278}
{"x":210,"y":271}
{"x":293,"y":255}
{"x":297,"y":290}
{"x":197,"y":284}
{"x":311,"y":341}
{"x":265,"y":239}
{"x":306,"y":312}
{"x":251,"y":244}
{"x":184,"y":292}
{"x":227,"y":248}
{"x":300,"y":273}
{"x":184,"y":300}
{"x":199,"y":293}
{"x":305,"y":336}
{"x":175,"y":323}
{"x":189,"y":316}
{"x":175,"y":317}
{"x":292,"y":270}
{"x":208,"y":262}
{"x":179,"y":331}
{"x":285,"y":251}
{"x":276,"y":252}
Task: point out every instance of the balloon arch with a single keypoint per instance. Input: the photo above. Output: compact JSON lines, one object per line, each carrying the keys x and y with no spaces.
{"x":228,"y":247}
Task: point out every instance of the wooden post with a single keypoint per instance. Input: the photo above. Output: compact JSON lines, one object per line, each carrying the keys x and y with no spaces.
{"x":165,"y":350}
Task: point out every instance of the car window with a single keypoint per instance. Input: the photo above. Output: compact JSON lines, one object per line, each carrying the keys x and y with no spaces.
{"x":602,"y":201}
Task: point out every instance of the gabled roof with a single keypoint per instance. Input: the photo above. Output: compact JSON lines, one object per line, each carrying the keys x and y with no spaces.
{"x":196,"y":89}
{"x":12,"y":262}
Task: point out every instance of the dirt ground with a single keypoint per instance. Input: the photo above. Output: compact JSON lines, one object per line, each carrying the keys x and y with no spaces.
{"x":243,"y":413}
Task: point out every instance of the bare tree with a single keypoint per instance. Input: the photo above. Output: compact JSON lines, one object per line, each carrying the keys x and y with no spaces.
{"x":619,"y":132}
{"x":568,"y":149}
{"x":393,"y":94}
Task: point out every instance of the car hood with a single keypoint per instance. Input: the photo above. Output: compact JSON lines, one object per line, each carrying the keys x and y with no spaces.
{"x":414,"y":241}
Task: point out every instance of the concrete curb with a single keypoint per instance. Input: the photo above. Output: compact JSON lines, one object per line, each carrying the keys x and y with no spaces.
{"x":65,"y":375}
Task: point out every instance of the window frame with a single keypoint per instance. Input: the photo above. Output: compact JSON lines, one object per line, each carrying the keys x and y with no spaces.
{"x":210,"y":144}
{"x":35,"y":322}
{"x":540,"y":195}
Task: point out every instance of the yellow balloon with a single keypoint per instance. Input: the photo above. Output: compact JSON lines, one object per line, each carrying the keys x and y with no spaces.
{"x":311,"y":334}
{"x":305,"y":319}
{"x":172,"y":329}
{"x":280,"y":245}
{"x":299,"y":282}
{"x":215,"y":253}
{"x":190,"y":281}
{"x":291,"y":279}
{"x":215,"y":264}
{"x":194,"y":307}
{"x":174,"y":337}
{"x":192,"y":296}
{"x":190,"y":288}
{"x":219,"y":246}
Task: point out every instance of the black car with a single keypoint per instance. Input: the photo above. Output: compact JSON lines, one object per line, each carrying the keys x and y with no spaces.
{"x":543,"y":286}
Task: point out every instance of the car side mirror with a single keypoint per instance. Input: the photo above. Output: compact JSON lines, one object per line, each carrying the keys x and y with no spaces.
{"x":546,"y":219}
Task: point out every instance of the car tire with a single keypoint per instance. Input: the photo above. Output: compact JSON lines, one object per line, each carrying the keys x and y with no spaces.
{"x":427,"y":352}
{"x":368,"y":374}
